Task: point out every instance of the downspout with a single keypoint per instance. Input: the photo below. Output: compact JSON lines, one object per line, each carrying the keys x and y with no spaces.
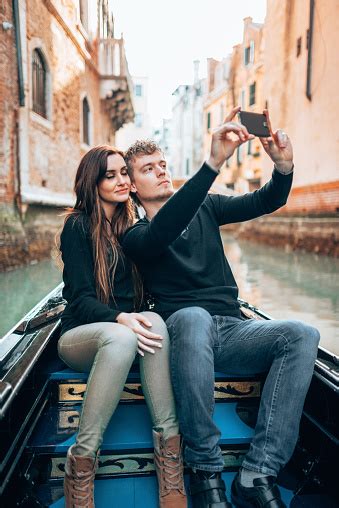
{"x":19,"y":54}
{"x":16,"y":20}
{"x":309,"y":56}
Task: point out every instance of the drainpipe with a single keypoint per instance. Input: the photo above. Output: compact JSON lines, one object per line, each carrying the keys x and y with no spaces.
{"x":309,"y":56}
{"x":18,"y":49}
{"x":16,"y":19}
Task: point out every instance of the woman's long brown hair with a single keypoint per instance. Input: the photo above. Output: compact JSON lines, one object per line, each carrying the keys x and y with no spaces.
{"x":91,"y":170}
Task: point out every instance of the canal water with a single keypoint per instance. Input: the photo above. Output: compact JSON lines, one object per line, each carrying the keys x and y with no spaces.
{"x":288,"y":285}
{"x":285,"y":285}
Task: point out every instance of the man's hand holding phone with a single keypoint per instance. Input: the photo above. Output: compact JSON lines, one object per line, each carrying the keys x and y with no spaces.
{"x":223,"y":144}
{"x":278,"y":147}
{"x":276,"y":144}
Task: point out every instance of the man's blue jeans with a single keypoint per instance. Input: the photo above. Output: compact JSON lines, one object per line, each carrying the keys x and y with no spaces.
{"x":201,"y":344}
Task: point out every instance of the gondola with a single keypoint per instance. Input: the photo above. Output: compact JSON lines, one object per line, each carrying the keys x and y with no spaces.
{"x":40,"y":402}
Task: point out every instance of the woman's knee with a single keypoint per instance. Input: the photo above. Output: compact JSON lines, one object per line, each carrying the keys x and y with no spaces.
{"x":158,"y":324}
{"x":120,"y":337}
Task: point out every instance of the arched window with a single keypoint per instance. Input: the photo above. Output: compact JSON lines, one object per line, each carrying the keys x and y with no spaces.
{"x":39,"y":83}
{"x":85,"y":121}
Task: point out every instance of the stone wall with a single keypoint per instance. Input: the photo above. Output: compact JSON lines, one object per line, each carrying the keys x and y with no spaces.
{"x":311,"y":234}
{"x":29,"y":238}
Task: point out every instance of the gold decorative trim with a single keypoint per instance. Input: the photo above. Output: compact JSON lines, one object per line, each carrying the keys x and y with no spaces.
{"x":68,"y":421}
{"x":134,"y":463}
{"x":236,"y":389}
{"x":74,"y":392}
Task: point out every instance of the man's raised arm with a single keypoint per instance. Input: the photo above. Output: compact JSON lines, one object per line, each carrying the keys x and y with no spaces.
{"x":148,"y":239}
{"x":273,"y":194}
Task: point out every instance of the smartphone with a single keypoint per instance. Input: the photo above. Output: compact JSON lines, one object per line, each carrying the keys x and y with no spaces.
{"x":255,"y":123}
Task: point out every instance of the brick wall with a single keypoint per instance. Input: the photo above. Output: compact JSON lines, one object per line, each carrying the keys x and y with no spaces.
{"x":8,"y":105}
{"x":316,"y":199}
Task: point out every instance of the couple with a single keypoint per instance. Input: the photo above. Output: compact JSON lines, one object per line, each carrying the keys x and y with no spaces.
{"x":176,"y":252}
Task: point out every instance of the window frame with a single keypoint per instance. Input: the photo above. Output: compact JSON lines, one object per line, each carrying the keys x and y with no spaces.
{"x":252,"y":93}
{"x":138,"y":86}
{"x":39,"y":83}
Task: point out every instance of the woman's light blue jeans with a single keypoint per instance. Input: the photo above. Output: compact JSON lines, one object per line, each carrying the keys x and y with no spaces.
{"x":201,"y":344}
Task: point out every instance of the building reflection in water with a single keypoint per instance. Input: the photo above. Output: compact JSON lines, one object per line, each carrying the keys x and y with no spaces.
{"x":288,"y":285}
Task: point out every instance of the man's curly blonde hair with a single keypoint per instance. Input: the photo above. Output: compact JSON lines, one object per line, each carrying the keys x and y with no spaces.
{"x":139,"y":148}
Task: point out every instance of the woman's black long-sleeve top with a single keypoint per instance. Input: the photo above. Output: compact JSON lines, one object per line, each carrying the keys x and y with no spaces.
{"x":83,"y":306}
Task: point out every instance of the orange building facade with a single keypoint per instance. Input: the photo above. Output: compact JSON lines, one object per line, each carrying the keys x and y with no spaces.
{"x":301,"y":88}
{"x":65,"y":86}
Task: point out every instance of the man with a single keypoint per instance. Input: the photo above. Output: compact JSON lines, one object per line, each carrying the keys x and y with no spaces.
{"x":179,"y":251}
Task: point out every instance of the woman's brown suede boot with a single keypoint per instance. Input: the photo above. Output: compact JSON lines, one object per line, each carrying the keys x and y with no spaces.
{"x":169,"y":468}
{"x":79,"y":481}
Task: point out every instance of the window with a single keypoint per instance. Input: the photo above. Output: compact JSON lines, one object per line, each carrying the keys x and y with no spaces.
{"x":138,"y":120}
{"x":138,"y":90}
{"x":252,"y":51}
{"x":298,"y":46}
{"x":252,"y":94}
{"x":208,"y":121}
{"x":39,"y":83}
{"x":85,"y":121}
{"x":249,"y":54}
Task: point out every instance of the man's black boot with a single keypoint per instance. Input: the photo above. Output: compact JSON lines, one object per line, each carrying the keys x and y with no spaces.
{"x":264,"y":494}
{"x":208,"y":490}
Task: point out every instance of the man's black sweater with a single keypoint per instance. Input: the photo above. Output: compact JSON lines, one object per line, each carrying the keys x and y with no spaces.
{"x":180,"y":252}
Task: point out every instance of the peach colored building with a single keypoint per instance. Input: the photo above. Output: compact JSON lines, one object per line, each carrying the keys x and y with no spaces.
{"x":215,"y":103}
{"x":244,"y":169}
{"x":301,"y":88}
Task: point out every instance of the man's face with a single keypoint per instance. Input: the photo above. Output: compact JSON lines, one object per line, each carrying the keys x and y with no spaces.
{"x":151,"y":179}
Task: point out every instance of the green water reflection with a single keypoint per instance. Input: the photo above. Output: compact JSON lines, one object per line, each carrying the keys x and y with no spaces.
{"x":284,"y":285}
{"x":23,"y":288}
{"x":289,"y":285}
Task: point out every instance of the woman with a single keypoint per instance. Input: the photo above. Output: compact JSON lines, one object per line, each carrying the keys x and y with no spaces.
{"x":101,"y":332}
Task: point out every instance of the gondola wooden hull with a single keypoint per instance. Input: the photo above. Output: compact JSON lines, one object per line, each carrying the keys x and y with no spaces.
{"x":40,"y":404}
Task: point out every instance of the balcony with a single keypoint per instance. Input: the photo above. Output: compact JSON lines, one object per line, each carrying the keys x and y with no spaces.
{"x":116,"y":88}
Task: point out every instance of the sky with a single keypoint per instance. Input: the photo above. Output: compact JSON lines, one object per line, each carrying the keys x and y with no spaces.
{"x":164,"y":37}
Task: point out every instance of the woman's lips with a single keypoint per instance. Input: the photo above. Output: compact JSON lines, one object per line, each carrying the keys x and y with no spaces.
{"x":122,"y":191}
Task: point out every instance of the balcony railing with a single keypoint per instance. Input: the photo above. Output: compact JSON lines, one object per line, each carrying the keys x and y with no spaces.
{"x":116,"y":82}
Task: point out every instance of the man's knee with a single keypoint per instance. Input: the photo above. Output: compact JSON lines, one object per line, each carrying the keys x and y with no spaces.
{"x":191,"y":330}
{"x":305,"y":337}
{"x":190,"y":316}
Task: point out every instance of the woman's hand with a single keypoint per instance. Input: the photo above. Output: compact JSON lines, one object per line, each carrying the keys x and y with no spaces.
{"x":279,"y":147}
{"x":139,"y":324}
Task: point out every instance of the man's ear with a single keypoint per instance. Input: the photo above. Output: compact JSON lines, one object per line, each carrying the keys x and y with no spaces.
{"x":133,"y":188}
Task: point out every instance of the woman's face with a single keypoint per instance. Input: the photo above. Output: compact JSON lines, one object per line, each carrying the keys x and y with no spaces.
{"x":115,"y":186}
